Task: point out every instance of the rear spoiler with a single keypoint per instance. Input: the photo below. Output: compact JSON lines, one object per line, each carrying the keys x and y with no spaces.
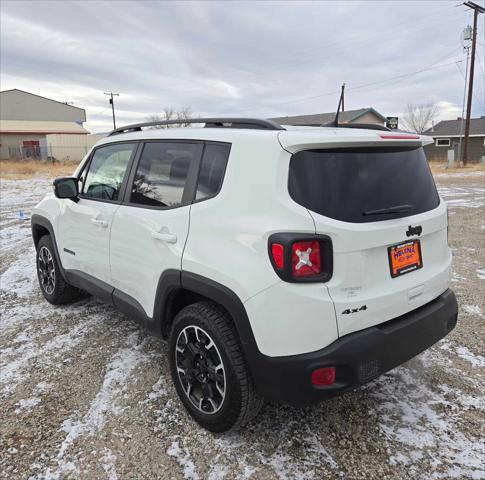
{"x":296,"y":140}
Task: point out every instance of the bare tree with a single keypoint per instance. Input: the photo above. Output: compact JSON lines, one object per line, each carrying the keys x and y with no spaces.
{"x":184,"y":114}
{"x":170,"y":114}
{"x":420,"y":116}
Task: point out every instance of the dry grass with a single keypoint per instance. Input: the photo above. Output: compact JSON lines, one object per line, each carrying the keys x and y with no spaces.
{"x":17,"y":169}
{"x":440,"y":167}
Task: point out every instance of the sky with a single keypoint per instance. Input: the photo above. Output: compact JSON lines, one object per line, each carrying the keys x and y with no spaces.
{"x":239,"y":58}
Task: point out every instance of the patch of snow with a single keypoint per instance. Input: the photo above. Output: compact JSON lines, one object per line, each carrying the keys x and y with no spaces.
{"x":470,"y":196}
{"x":108,"y":463}
{"x":27,"y":404}
{"x":481,"y":273}
{"x":11,"y":371}
{"x":284,"y":465}
{"x":21,"y":276}
{"x":419,"y":419}
{"x":114,"y":383}
{"x":469,"y":356}
{"x":184,"y":460}
{"x":473,"y":310}
{"x":217,"y":472}
{"x":158,"y":389}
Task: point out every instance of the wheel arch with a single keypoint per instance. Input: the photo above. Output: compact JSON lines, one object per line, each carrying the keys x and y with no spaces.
{"x":177,"y":290}
{"x":41,"y":226}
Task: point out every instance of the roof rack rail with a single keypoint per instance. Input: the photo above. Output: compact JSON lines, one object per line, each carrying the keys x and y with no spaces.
{"x":255,"y":123}
{"x":366,"y":126}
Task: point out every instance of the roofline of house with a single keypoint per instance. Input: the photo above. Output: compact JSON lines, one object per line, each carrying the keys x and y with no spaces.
{"x":45,"y":98}
{"x":35,"y":132}
{"x":369,"y":110}
{"x":453,"y":135}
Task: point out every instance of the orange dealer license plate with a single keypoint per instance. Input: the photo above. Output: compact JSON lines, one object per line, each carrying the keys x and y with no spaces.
{"x":404,"y":258}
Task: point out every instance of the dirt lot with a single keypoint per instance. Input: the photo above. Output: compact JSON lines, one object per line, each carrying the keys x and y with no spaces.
{"x":86,"y":393}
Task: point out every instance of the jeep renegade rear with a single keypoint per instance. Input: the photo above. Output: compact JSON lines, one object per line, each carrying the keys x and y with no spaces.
{"x":287,"y":264}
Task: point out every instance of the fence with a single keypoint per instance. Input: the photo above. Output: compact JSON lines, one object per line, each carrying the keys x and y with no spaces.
{"x":57,"y":153}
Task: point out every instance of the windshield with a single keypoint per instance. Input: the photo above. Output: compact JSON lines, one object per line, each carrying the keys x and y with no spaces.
{"x":363,"y":184}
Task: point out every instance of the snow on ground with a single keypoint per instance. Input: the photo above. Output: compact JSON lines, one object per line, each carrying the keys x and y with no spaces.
{"x":86,"y":393}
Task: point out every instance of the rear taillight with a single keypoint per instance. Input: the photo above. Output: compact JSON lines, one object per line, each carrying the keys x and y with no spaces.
{"x":297,"y":258}
{"x":305,"y":259}
{"x":278,"y":252}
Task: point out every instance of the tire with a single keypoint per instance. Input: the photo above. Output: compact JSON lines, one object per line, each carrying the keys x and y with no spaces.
{"x":233,"y":400}
{"x":51,"y":282}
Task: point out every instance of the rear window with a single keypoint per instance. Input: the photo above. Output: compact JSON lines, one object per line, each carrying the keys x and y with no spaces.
{"x":363,"y":184}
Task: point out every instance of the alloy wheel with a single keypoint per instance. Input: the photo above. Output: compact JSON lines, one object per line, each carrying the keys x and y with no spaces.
{"x":47,"y":272}
{"x":200,"y":369}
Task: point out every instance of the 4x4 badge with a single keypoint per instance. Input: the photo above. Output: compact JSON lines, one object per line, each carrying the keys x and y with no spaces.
{"x":354,"y":310}
{"x":417,"y":230}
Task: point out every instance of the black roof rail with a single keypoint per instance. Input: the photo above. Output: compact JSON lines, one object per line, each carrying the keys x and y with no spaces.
{"x":366,"y":126}
{"x":255,"y":123}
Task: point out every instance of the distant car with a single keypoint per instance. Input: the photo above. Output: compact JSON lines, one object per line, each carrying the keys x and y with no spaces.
{"x":287,"y":264}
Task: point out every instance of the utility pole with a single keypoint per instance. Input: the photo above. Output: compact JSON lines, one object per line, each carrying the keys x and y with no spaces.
{"x":112,"y":103}
{"x":477,"y":9}
{"x":343,"y":97}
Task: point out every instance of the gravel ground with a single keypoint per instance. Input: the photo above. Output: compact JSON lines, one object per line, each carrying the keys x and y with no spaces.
{"x":86,"y":393}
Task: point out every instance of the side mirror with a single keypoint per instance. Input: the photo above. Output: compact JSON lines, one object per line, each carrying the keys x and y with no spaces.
{"x":66,"y":187}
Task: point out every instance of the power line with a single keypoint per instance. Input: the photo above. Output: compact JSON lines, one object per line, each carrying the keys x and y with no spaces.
{"x":480,"y":65}
{"x":376,"y":34}
{"x":474,"y":94}
{"x":358,"y":86}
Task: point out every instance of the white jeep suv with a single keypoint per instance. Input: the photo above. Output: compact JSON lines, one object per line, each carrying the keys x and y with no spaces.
{"x":280,"y":263}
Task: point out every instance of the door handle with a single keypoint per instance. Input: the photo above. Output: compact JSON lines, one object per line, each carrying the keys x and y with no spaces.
{"x":164,"y":235}
{"x":99,"y":222}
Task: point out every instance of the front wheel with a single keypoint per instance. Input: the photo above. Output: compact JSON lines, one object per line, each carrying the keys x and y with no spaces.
{"x":52,"y":285}
{"x":208,"y":368}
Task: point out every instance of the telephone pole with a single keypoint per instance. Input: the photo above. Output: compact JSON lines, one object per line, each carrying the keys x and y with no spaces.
{"x":112,"y":103}
{"x":343,"y":97}
{"x":477,"y":9}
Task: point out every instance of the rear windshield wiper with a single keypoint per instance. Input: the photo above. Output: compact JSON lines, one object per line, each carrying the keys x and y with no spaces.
{"x":395,"y":209}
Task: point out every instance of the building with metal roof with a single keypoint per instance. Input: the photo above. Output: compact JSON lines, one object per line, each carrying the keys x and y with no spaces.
{"x":27,"y":120}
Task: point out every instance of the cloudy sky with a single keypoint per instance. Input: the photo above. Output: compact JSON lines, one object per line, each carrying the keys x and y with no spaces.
{"x":239,"y":58}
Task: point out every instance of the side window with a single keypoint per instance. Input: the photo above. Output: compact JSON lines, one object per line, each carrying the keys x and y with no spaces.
{"x":212,"y":170}
{"x":162,"y":173}
{"x":107,"y":171}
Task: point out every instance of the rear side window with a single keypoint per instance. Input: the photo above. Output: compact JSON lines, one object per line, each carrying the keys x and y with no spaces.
{"x":212,"y":170}
{"x":363,"y":184}
{"x":161,"y":174}
{"x":107,"y":170}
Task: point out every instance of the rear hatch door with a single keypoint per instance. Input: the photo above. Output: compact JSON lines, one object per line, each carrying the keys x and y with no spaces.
{"x":380,"y":206}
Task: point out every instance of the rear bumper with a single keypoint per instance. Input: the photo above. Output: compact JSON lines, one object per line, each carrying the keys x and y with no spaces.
{"x":359,"y":357}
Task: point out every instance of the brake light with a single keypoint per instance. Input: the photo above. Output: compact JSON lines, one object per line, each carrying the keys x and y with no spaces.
{"x":323,"y":376}
{"x":278,"y":253}
{"x":401,"y":137}
{"x":305,"y":259}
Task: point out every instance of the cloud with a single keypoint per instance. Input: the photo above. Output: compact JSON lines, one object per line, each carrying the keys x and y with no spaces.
{"x":236,"y":58}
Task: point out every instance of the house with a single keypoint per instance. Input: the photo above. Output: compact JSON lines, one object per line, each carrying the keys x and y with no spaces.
{"x":31,"y":125}
{"x":362,"y":115}
{"x":449,"y":134}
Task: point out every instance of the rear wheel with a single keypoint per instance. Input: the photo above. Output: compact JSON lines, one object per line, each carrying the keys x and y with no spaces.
{"x":52,"y":285}
{"x":209,"y":370}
